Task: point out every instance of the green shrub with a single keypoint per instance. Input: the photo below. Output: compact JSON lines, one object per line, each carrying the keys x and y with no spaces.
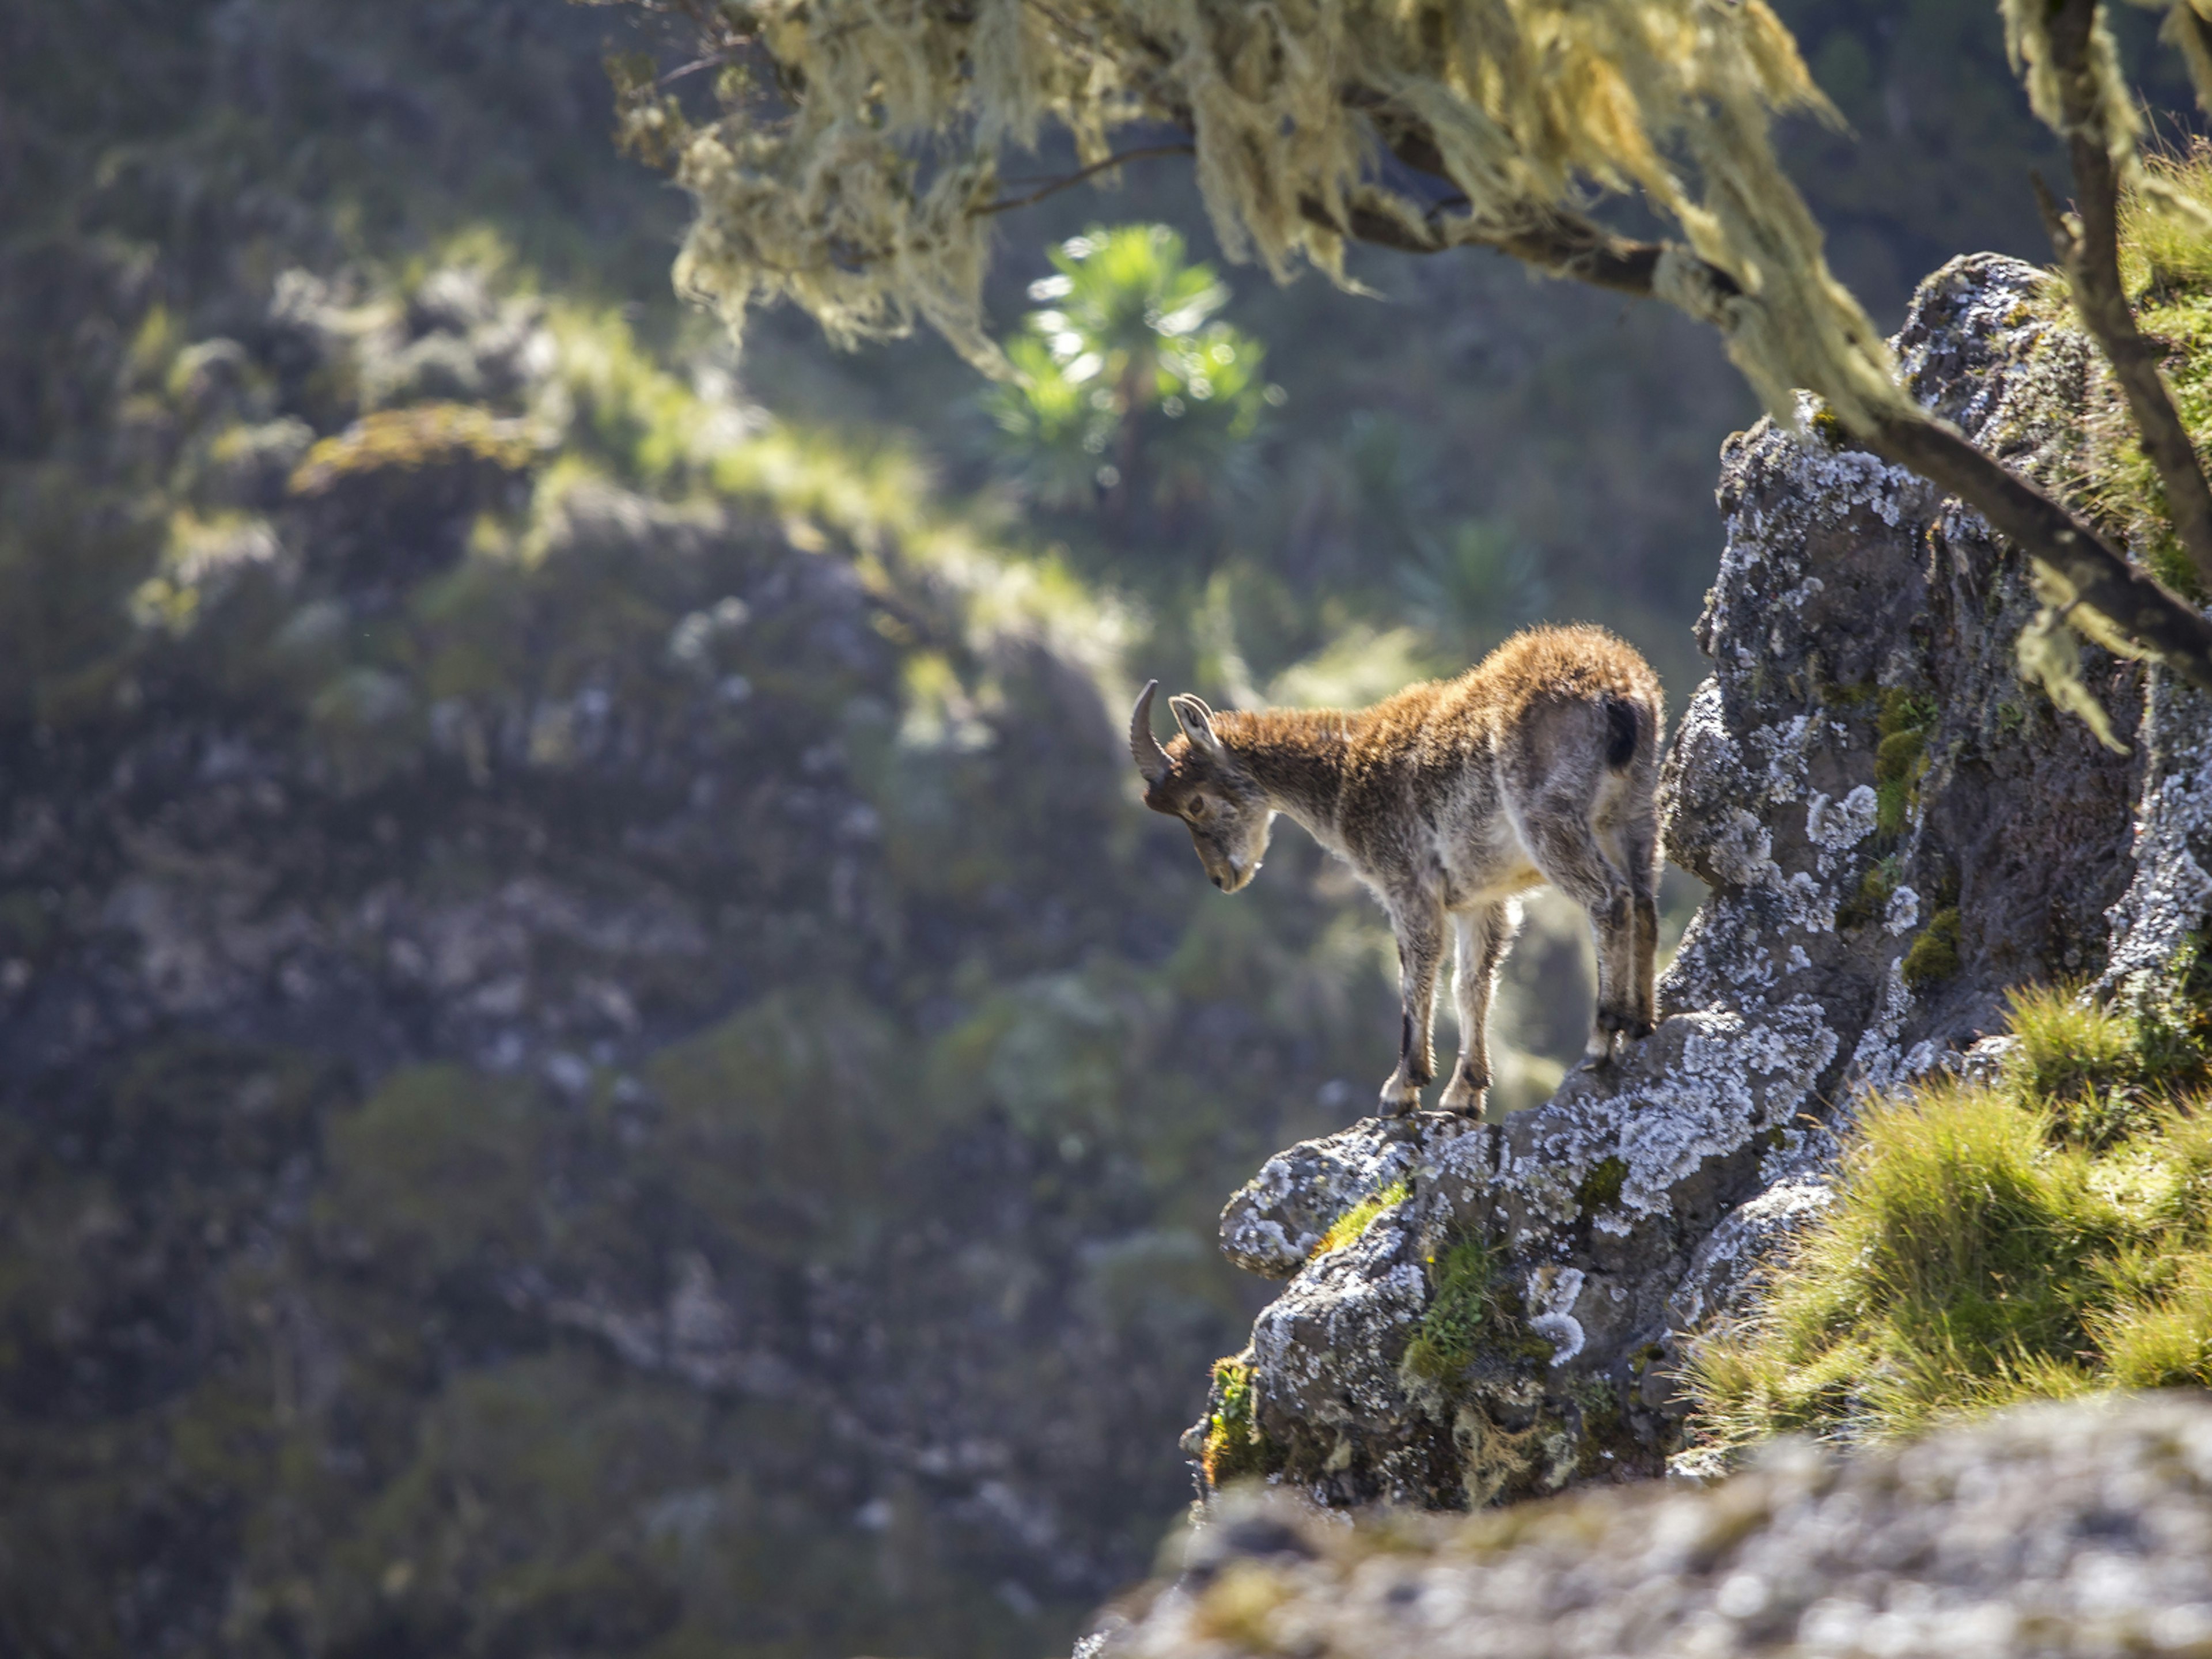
{"x":1933,"y":956}
{"x":432,"y":434}
{"x":1901,"y":758}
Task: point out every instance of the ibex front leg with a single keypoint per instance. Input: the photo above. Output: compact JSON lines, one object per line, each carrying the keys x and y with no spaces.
{"x":1418,"y":921}
{"x":1482,"y":935}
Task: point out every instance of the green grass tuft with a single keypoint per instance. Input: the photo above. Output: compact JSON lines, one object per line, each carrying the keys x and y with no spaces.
{"x":2103,"y":1076}
{"x":1235,"y":1447}
{"x":1472,"y":1310}
{"x":2045,"y":1235}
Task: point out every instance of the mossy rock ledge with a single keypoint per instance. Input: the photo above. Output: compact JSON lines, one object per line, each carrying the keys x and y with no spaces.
{"x":1857,"y":614}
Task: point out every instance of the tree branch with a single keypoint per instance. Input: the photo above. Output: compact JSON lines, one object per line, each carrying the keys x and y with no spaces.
{"x":1564,"y":244}
{"x":2089,"y":248}
{"x":2053,"y":535}
{"x":1143,"y":153}
{"x":2019,"y":509}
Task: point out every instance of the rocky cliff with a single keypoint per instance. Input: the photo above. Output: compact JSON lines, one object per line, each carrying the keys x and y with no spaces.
{"x":1895,"y":831}
{"x":459,"y":1189}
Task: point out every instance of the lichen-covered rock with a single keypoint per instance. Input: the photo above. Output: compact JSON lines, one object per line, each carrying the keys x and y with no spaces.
{"x":2075,"y":1528}
{"x":1895,"y":831}
{"x":2158,"y":923}
{"x":1277,"y":1218}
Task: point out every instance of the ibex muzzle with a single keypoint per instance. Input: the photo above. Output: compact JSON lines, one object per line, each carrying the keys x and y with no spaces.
{"x":1448,"y":800}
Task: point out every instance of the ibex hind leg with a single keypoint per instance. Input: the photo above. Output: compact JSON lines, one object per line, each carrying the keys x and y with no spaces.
{"x":1567,"y":852}
{"x":1629,"y":838}
{"x":1643,"y":840}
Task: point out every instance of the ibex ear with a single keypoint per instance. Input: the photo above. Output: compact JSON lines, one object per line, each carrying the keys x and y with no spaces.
{"x":1197,"y":722}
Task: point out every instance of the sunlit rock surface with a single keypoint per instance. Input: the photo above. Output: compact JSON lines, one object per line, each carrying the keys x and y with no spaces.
{"x":1895,"y":831}
{"x":2076,"y":1529}
{"x":1276,"y":1221}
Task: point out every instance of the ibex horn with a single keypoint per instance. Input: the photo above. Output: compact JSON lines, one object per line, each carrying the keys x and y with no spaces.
{"x":1144,"y":748}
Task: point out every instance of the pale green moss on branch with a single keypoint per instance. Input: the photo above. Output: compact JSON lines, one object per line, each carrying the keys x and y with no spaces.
{"x":858,"y":176}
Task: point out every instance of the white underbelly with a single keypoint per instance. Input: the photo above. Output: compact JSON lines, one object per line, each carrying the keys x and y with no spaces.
{"x":1493,"y":867}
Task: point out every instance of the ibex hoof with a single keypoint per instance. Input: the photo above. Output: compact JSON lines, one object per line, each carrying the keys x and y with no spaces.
{"x":1463,"y":1098}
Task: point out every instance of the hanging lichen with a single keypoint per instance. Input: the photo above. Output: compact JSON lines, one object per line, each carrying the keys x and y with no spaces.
{"x":2108,"y":113}
{"x":2049,"y":656}
{"x":855,"y":160}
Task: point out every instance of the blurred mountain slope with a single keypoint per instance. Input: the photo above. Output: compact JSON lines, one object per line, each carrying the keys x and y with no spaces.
{"x":594,"y":1059}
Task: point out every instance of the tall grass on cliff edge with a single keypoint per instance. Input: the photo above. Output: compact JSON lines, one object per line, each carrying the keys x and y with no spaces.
{"x":2046,"y":1234}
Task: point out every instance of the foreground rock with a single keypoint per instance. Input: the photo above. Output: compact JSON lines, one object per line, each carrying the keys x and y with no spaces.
{"x":1895,"y":831}
{"x":2075,"y":1528}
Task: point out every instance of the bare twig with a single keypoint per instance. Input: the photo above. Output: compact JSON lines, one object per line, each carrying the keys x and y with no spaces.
{"x":2088,"y":246}
{"x":1142,"y":153}
{"x":713,"y":60}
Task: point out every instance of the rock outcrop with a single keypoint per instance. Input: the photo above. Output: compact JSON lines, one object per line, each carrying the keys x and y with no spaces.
{"x":1895,"y":831}
{"x":2075,"y":1528}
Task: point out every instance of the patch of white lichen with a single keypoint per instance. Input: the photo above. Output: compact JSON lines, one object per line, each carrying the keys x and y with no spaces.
{"x":2167,"y":903}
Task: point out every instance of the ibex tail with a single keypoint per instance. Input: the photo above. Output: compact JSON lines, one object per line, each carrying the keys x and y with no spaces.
{"x":1625,"y":726}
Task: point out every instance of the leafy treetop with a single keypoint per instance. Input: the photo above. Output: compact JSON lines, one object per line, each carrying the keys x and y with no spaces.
{"x":1132,"y":391}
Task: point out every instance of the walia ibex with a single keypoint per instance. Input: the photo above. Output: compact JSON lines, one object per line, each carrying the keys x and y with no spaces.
{"x":1449,"y":800}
